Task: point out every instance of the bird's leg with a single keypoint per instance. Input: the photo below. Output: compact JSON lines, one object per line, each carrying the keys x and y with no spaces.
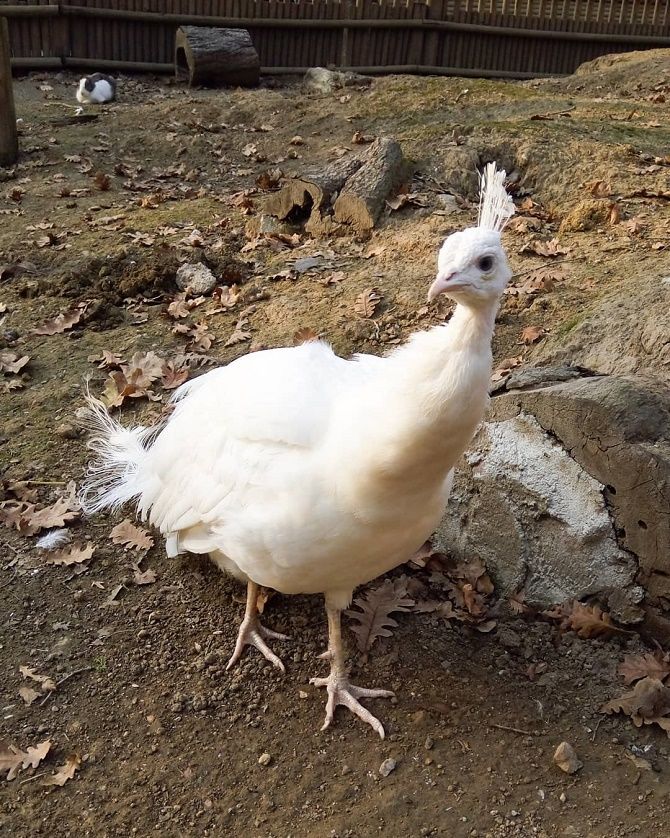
{"x":251,"y":632}
{"x":340,"y":691}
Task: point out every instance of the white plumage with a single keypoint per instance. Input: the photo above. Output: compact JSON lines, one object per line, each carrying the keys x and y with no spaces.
{"x":304,"y":472}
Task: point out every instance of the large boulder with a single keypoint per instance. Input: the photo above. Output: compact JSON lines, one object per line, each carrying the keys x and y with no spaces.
{"x":566,"y":491}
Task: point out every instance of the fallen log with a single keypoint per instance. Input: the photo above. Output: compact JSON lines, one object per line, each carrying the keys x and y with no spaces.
{"x":311,"y":192}
{"x":361,"y":201}
{"x":214,"y":57}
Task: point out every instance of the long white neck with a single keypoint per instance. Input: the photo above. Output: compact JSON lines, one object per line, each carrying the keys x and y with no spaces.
{"x":430,"y":398}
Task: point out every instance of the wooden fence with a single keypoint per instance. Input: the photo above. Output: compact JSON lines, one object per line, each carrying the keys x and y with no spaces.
{"x":495,"y":38}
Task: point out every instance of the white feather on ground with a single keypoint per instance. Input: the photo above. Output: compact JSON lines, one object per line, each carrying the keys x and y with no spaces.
{"x":304,"y":472}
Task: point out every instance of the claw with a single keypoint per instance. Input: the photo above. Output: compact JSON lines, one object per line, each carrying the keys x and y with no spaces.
{"x":251,"y":634}
{"x":341,"y":692}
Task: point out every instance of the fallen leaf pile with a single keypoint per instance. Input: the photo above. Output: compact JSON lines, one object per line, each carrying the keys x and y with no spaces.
{"x":135,"y":379}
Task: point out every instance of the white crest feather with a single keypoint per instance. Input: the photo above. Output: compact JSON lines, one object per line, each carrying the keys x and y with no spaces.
{"x":495,"y":205}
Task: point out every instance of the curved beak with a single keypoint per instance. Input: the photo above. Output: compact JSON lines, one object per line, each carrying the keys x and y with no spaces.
{"x":443,"y":284}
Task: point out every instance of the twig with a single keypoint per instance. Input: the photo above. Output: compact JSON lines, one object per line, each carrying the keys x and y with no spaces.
{"x":72,"y":674}
{"x":47,"y":482}
{"x":549,"y":114}
{"x":511,"y":729}
{"x":34,"y":777}
{"x":595,"y":730}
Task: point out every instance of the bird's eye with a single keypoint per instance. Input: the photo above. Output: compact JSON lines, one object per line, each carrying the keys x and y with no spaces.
{"x":485,"y":263}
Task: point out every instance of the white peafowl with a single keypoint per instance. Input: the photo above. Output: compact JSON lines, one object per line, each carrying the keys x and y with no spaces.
{"x":307,"y":473}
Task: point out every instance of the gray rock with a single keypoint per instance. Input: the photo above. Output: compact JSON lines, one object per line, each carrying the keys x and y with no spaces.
{"x":197,"y":277}
{"x":320,"y":80}
{"x":566,"y":491}
{"x":387,"y":767}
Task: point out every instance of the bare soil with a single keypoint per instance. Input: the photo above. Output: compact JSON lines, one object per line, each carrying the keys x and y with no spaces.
{"x":170,"y":741}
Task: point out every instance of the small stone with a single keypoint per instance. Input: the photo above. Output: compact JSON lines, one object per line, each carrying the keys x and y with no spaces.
{"x":566,"y":758}
{"x":264,"y":759}
{"x":302,"y":694}
{"x":387,"y":767}
{"x":196,"y":277}
{"x":67,"y":431}
{"x":562,"y":797}
{"x":428,"y":744}
{"x":297,"y":140}
{"x":345,"y":770}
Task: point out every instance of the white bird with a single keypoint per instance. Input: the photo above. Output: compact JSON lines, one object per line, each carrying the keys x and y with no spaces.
{"x":96,"y":89}
{"x":307,"y":473}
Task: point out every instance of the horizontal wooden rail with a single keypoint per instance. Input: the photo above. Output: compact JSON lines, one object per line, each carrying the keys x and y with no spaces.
{"x":168,"y":69}
{"x":407,"y":23}
{"x":29,"y":11}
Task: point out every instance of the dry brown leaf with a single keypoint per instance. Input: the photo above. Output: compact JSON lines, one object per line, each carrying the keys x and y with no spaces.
{"x":586,"y":620}
{"x":173,"y":376}
{"x":12,"y":760}
{"x":263,"y":597}
{"x":28,"y":520}
{"x":10,"y":362}
{"x":634,"y":225}
{"x":538,"y":281}
{"x":648,"y":703}
{"x":532,"y":334}
{"x":106,"y":359}
{"x":544,"y":248}
{"x":375,"y":606}
{"x":65,"y":772}
{"x":46,"y":683}
{"x":304,"y":335}
{"x":28,"y":694}
{"x":517,"y":603}
{"x":654,"y":665}
{"x":367,"y":302}
{"x":102,"y":181}
{"x":615,"y":214}
{"x":506,"y":367}
{"x":76,"y":555}
{"x":131,"y":537}
{"x":598,"y":188}
{"x":61,"y":323}
{"x":144,"y":577}
{"x":239,"y":335}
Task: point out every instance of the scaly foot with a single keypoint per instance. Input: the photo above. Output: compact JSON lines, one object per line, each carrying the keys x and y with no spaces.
{"x":340,"y":691}
{"x":251,"y":633}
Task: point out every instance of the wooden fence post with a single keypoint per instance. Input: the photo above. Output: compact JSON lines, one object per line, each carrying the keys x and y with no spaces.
{"x":9,"y":141}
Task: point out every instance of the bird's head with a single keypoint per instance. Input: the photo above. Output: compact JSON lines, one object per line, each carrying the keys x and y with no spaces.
{"x":472,"y":266}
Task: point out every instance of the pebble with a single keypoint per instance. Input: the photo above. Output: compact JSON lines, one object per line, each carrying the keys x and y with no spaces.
{"x":264,"y":759}
{"x":566,"y":758}
{"x":428,"y":744}
{"x":67,"y":431}
{"x":387,"y":767}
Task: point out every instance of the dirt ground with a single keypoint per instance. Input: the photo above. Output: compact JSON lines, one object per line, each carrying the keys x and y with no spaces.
{"x":99,"y":214}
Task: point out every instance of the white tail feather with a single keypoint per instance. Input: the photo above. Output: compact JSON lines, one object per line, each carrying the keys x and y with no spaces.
{"x":115,"y":475}
{"x":495,"y":205}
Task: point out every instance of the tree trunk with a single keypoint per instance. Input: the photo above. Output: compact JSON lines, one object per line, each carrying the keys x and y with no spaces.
{"x":361,"y":201}
{"x":9,"y":143}
{"x":312,"y":191}
{"x":216,"y":57}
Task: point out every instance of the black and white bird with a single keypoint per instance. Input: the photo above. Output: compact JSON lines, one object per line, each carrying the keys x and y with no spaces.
{"x":308,"y":473}
{"x":96,"y":89}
